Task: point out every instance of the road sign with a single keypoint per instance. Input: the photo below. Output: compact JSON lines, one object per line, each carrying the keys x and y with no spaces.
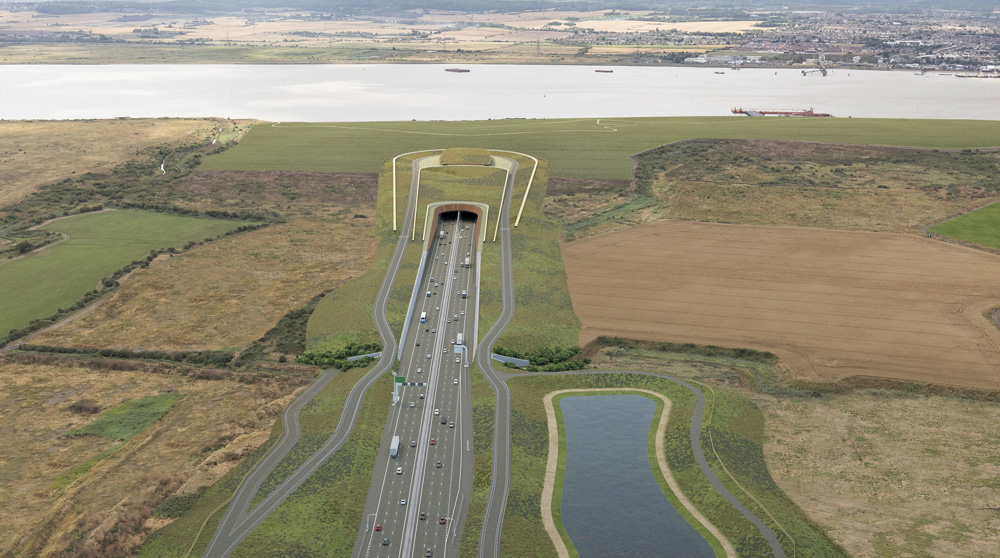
{"x":400,"y":379}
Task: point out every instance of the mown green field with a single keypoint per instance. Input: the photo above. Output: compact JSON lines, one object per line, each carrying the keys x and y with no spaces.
{"x":98,"y":244}
{"x":981,"y":226}
{"x":575,"y":148}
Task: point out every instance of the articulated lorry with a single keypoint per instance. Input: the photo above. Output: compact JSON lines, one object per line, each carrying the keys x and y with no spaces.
{"x":458,"y":339}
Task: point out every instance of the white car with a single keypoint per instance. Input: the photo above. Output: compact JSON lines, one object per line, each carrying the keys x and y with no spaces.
{"x":399,"y":470}
{"x":402,"y":502}
{"x":428,"y":355}
{"x":458,"y":359}
{"x":412,"y":404}
{"x":455,"y":382}
{"x":437,"y":412}
{"x":445,"y":351}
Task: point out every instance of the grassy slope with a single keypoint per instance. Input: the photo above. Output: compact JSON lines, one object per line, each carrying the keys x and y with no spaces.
{"x":580,"y":148}
{"x":99,"y":243}
{"x":979,"y":227}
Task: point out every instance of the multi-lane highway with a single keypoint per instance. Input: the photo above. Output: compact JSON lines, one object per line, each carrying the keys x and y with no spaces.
{"x":432,"y":469}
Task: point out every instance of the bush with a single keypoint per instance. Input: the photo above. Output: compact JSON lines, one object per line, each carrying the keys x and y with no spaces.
{"x":85,"y":407}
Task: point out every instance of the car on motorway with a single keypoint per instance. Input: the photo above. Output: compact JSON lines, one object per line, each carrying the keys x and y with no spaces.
{"x":438,"y":465}
{"x":385,"y":541}
{"x":412,"y":404}
{"x":429,"y":552}
{"x":445,"y":351}
{"x":421,"y":396}
{"x":455,"y":382}
{"x":458,"y":359}
{"x":449,"y":320}
{"x":444,"y":419}
{"x":402,"y":502}
{"x":451,"y":424}
{"x":418,"y":343}
{"x":437,"y":412}
{"x":442,"y":521}
{"x":463,"y":312}
{"x":428,"y":355}
{"x":456,"y":317}
{"x":433,"y":441}
{"x":434,"y":331}
{"x":423,"y":515}
{"x":452,"y":341}
{"x":399,"y":470}
{"x":413,"y":444}
{"x":437,"y":308}
{"x":378,"y":526}
{"x":426,"y":329}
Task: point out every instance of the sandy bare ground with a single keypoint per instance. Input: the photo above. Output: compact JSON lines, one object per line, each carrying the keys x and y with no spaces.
{"x":630,"y":26}
{"x":831,"y":304}
{"x":552,"y":463}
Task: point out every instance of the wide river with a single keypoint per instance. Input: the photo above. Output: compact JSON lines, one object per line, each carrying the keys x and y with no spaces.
{"x":379,"y":92}
{"x":611,"y":504}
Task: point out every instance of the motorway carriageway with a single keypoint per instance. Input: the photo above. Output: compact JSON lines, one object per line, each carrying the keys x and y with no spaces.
{"x":435,"y":491}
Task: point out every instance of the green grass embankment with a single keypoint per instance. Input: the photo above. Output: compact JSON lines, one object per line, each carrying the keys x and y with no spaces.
{"x":483,"y":419}
{"x":575,"y":148}
{"x":97,"y":245}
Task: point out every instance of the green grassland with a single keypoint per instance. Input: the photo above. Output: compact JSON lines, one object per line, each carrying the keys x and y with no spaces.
{"x":483,"y":418}
{"x":576,"y":148}
{"x":466,"y":156}
{"x":98,"y":244}
{"x":978,"y":227}
{"x":130,"y":418}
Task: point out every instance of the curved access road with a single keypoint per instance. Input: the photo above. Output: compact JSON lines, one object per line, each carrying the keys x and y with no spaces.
{"x":496,"y":504}
{"x":239,"y":521}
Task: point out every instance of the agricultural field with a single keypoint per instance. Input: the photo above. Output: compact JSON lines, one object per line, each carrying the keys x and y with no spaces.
{"x":95,"y":246}
{"x":83,"y":493}
{"x":802,"y":184}
{"x":890,"y":473}
{"x":34,"y":153}
{"x":226,"y":294}
{"x":585,"y":148}
{"x":831,"y":304}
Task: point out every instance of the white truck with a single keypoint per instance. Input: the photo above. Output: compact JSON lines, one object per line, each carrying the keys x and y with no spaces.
{"x":441,"y":234}
{"x":394,"y":447}
{"x":466,"y":263}
{"x":458,"y":339}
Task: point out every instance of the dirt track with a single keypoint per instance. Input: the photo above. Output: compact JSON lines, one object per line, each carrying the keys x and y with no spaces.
{"x":831,"y":304}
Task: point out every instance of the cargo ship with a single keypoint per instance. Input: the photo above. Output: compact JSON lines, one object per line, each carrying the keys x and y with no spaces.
{"x":755,"y":112}
{"x":457,"y":70}
{"x":605,"y":71}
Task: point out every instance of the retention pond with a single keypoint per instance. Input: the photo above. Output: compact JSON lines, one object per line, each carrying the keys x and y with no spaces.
{"x":611,"y":504}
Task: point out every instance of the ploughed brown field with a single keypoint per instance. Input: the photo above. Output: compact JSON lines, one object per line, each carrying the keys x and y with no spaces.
{"x":831,"y":304}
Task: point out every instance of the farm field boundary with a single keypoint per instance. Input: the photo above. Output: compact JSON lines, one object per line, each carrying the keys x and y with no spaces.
{"x":831,"y":304}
